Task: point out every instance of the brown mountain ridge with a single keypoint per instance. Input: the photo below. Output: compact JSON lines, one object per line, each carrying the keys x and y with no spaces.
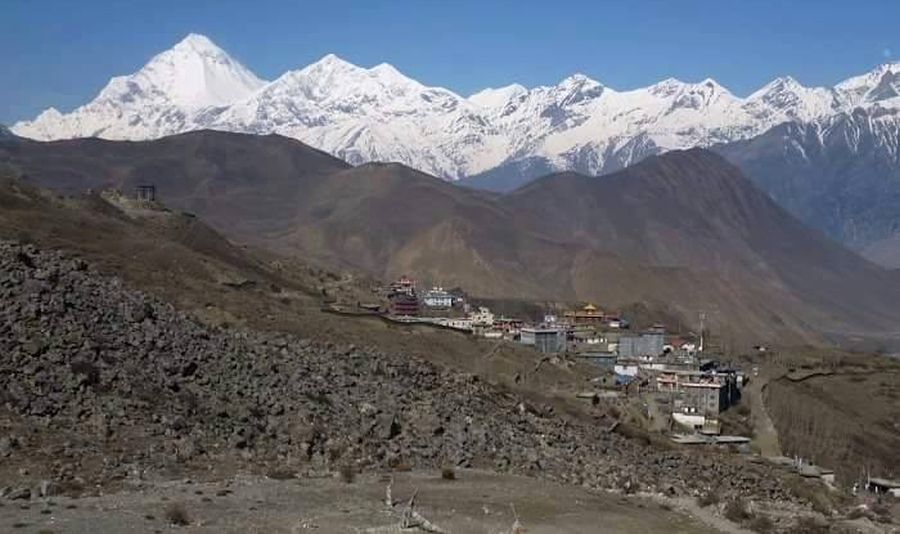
{"x":685,"y":230}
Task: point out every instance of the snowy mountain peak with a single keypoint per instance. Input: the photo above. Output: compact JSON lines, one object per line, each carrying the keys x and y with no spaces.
{"x":667,"y":87}
{"x":379,"y":114}
{"x":333,"y":79}
{"x":788,"y":99}
{"x":881,"y":83}
{"x":579,"y":81}
{"x":390,"y":75}
{"x":331,"y":63}
{"x":778,"y":85}
{"x":199,"y":44}
{"x":494,"y":98}
{"x":577,"y":89}
{"x":48,"y":114}
{"x":193,"y":73}
{"x":673,"y":86}
{"x":711,"y":85}
{"x":158,"y":99}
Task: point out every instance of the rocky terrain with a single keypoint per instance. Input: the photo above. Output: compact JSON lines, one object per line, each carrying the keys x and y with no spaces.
{"x":103,"y":384}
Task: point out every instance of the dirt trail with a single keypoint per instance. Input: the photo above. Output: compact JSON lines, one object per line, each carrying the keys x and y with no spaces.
{"x":477,"y":502}
{"x":766,"y":436}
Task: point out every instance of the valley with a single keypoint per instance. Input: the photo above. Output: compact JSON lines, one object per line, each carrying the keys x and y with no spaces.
{"x":335,"y":298}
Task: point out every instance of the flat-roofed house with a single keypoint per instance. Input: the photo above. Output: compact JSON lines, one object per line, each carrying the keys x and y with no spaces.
{"x":543,"y":339}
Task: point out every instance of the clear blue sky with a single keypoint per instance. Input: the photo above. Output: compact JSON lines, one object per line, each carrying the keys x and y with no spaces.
{"x":61,"y":53}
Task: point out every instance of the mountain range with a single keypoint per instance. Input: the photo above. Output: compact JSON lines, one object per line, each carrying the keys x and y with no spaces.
{"x":684,"y":232}
{"x":378,"y":114}
{"x":839,"y":174}
{"x":819,"y":151}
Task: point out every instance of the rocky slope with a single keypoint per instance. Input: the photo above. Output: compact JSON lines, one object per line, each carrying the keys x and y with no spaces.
{"x":101,"y":382}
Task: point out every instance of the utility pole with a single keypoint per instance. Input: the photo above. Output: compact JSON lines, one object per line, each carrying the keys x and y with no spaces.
{"x":702,"y":320}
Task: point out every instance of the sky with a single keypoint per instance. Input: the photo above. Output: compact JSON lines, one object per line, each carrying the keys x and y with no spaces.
{"x":62,"y":52}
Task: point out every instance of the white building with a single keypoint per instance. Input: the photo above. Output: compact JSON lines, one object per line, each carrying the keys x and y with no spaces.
{"x":459,"y":324}
{"x":482,"y":317}
{"x":436,"y":297}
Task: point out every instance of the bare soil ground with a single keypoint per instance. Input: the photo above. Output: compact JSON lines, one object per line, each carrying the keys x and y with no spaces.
{"x":476,"y":502}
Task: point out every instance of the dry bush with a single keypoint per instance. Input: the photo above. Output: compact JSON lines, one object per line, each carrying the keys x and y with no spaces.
{"x":880,"y":508}
{"x":348,"y":474}
{"x":401,"y":466}
{"x":177,"y":515}
{"x":708,"y":499}
{"x":736,"y":511}
{"x":816,"y":494}
{"x":634,"y":433}
{"x":448,"y":473}
{"x":808,"y":525}
{"x":281,"y":473}
{"x":761,"y":524}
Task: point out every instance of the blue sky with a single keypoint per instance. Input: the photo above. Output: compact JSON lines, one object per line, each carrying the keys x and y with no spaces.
{"x":62,"y":52}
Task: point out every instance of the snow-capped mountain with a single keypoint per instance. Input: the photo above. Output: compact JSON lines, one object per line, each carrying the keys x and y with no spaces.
{"x":166,"y":96}
{"x":378,"y":114}
{"x":363,"y":115}
{"x":839,"y":174}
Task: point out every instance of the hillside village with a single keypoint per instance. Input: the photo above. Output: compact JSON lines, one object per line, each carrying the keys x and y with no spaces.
{"x":652,"y":363}
{"x":681,"y":385}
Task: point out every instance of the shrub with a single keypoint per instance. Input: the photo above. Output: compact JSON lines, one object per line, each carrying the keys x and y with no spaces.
{"x":87,"y":369}
{"x":761,"y":524}
{"x":708,"y":499}
{"x":736,"y":511}
{"x":634,"y":433}
{"x":808,"y":525}
{"x":448,"y":473}
{"x":348,"y":474}
{"x":281,"y":473}
{"x":177,"y":515}
{"x":815,"y":493}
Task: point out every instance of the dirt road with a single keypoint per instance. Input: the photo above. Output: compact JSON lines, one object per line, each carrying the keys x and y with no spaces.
{"x":476,"y":502}
{"x":766,"y":436}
